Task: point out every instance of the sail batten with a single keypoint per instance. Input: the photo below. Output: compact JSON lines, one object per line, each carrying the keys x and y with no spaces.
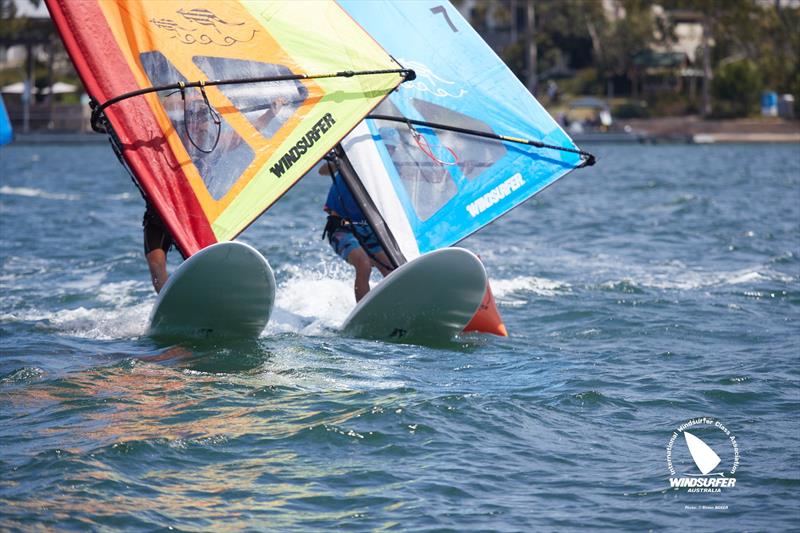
{"x":99,"y":108}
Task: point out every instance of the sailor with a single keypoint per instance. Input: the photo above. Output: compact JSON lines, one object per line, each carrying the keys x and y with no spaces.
{"x":349,"y":234}
{"x":157,"y":242}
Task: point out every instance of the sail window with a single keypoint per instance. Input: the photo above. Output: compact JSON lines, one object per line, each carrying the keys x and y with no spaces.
{"x":220,"y":155}
{"x":427,"y":183}
{"x":266,"y":105}
{"x":475,"y":154}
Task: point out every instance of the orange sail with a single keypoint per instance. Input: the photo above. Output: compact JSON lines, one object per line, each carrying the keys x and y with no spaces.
{"x":211,"y":157}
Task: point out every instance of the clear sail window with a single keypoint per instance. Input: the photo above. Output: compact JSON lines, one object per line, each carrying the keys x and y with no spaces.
{"x":219,"y":153}
{"x":426,"y":181}
{"x":475,"y":154}
{"x":266,"y":105}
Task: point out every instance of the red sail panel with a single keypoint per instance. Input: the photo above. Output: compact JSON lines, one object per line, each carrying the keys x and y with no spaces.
{"x":105,"y":73}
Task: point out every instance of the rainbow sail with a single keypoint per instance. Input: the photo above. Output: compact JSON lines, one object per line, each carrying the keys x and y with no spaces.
{"x":252,"y":95}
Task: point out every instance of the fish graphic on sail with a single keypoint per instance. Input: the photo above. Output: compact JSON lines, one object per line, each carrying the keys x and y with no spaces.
{"x":218,"y":108}
{"x":704,"y":457}
{"x":456,"y":148}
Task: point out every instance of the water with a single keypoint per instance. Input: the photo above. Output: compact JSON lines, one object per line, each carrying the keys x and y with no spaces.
{"x":660,"y":286}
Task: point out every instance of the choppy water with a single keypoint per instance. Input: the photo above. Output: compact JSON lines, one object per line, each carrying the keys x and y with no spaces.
{"x":660,"y":286}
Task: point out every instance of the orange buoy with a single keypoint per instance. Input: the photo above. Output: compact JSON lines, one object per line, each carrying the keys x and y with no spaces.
{"x":487,"y":318}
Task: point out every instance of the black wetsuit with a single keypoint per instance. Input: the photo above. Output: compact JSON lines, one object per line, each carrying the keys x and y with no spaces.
{"x":155,"y":232}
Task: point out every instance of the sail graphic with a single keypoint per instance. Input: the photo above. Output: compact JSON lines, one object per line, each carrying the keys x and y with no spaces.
{"x":459,"y":146}
{"x":704,"y":457}
{"x":252,"y":95}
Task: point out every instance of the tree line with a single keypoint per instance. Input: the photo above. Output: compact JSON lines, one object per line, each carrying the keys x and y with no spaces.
{"x":596,"y":46}
{"x":747,"y":46}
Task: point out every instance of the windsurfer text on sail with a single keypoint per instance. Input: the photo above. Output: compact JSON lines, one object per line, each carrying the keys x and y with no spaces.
{"x":301,"y":147}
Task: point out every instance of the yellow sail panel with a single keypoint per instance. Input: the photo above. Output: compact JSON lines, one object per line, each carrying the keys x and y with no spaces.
{"x":323,"y":39}
{"x":241,"y":146}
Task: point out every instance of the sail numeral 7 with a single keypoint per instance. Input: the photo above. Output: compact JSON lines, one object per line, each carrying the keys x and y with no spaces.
{"x":443,"y":11}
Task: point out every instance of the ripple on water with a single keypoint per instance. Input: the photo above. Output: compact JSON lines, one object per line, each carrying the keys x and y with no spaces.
{"x":637,"y":299}
{"x":22,"y":375}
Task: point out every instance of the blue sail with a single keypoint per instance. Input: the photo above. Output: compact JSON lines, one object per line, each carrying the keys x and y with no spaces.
{"x":6,"y":133}
{"x":434,"y":186}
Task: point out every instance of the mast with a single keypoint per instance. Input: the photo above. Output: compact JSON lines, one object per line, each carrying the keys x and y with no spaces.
{"x":374,"y":218}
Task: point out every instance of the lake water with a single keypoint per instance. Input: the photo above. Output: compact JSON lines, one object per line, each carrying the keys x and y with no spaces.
{"x":660,"y":286}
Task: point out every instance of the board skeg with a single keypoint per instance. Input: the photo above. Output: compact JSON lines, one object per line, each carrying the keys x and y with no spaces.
{"x":224,"y":290}
{"x":427,"y":300}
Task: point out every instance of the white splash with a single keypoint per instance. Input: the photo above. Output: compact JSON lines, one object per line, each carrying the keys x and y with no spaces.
{"x":96,"y":323}
{"x":121,"y":311}
{"x":674,"y":275}
{"x":122,"y":196}
{"x":311,"y":302}
{"x":121,"y":294}
{"x":103,"y":323}
{"x":36,"y":193}
{"x":506,"y":288}
{"x":682,"y":277}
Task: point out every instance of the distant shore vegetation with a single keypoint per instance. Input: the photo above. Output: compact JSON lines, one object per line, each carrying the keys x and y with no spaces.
{"x":651,"y":57}
{"x":645,"y":58}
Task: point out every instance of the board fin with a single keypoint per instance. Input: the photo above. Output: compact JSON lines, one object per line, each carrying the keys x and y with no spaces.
{"x":487,"y":318}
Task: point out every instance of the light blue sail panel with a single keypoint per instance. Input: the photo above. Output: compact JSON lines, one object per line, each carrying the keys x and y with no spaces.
{"x":6,"y":134}
{"x":452,"y":184}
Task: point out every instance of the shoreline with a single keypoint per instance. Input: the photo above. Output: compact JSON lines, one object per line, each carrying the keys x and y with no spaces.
{"x":694,"y":129}
{"x":690,"y":129}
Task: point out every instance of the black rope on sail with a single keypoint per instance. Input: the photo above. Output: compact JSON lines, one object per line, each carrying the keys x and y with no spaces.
{"x":211,"y":111}
{"x":116,"y":146}
{"x":587,"y":158}
{"x":98,"y":108}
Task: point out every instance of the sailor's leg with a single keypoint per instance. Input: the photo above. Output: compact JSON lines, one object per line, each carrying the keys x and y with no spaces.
{"x":157,"y":242}
{"x":370,"y":243}
{"x":381,"y":262}
{"x":346,"y":246}
{"x":157,"y":262}
{"x":361,"y":261}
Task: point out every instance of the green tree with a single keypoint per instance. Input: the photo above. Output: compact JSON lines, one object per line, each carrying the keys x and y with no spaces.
{"x":765,"y":34}
{"x":737,"y":88}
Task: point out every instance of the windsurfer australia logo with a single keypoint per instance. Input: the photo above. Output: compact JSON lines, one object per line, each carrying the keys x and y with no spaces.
{"x":705,"y":459}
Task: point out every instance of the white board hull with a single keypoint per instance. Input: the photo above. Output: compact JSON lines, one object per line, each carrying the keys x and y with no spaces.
{"x":224,"y":290}
{"x":427,"y":300}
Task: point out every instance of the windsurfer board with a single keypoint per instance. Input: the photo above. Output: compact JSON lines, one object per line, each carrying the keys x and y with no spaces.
{"x":427,"y":300}
{"x":224,"y":290}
